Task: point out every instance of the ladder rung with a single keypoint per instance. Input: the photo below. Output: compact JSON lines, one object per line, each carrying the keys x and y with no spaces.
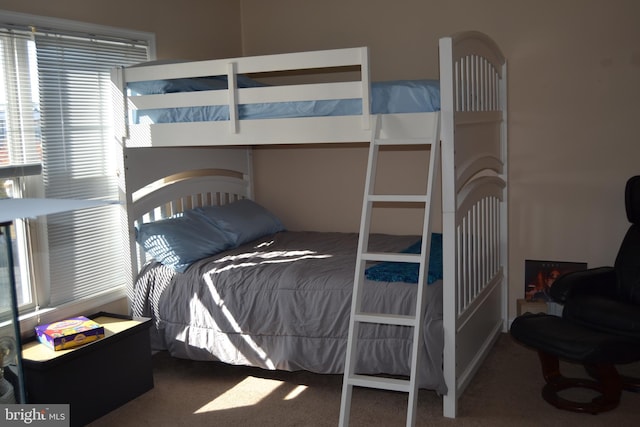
{"x":404,"y":141}
{"x":420,"y":198}
{"x":392,"y":257}
{"x":379,"y":382}
{"x":386,"y":319}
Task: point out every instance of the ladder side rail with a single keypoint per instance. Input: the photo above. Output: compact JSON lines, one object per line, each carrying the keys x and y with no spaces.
{"x":425,"y":251}
{"x":356,"y":298}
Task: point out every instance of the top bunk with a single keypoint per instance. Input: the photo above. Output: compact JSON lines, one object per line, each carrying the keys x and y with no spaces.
{"x":307,"y":97}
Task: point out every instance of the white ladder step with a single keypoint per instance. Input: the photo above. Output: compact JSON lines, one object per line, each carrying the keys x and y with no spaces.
{"x":382,"y":383}
{"x":386,"y":319}
{"x":391,"y":257}
{"x":412,"y":198}
{"x":404,"y":141}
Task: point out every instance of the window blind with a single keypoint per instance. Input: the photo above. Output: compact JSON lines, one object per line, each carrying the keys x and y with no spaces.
{"x":19,"y":109}
{"x":57,"y":101}
{"x":79,"y":159}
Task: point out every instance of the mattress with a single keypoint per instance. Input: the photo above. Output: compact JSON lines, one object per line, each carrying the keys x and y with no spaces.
{"x":390,"y":97}
{"x":283,"y":302}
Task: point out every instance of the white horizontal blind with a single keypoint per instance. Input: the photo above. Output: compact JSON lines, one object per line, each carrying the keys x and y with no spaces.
{"x":78,"y":150}
{"x":19,"y":110}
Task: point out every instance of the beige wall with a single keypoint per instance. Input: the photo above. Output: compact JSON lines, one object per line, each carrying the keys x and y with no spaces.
{"x":187,"y":29}
{"x":573,"y":109}
{"x":574,"y":115}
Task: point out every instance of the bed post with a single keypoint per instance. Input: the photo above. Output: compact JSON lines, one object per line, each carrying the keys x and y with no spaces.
{"x":504,"y":208}
{"x":474,"y":202}
{"x":448,"y":223}
{"x":365,"y":77}
{"x":125,"y":197}
{"x":233,"y":101}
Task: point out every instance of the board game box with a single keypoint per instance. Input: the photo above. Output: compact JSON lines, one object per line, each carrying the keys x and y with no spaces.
{"x":69,"y":333}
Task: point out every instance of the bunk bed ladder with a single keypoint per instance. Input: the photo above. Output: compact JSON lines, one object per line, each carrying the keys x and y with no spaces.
{"x":358,"y":317}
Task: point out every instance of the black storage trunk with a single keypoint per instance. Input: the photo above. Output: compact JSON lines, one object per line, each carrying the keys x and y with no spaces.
{"x":97,"y":377}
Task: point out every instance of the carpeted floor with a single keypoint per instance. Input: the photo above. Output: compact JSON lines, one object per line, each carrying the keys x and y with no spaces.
{"x":504,"y":393}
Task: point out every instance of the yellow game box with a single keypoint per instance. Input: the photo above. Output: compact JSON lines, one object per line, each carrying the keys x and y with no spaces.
{"x":69,"y":333}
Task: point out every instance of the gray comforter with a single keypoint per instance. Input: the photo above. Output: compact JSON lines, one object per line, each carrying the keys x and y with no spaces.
{"x":283,"y":302}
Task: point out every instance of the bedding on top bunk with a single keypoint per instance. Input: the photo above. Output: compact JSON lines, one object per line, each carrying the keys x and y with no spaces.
{"x":283,"y":300}
{"x":390,"y":97}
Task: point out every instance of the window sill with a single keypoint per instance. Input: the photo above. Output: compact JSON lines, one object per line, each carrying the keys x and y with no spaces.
{"x":85,"y":306}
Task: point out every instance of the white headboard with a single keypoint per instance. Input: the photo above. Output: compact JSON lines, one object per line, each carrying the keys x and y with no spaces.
{"x":157,"y":183}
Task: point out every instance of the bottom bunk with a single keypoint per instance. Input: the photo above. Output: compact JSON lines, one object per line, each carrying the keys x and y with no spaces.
{"x":283,"y":302}
{"x":256,"y":294}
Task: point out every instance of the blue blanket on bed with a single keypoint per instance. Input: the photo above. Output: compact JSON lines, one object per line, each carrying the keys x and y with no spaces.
{"x":389,"y":97}
{"x":408,"y":272}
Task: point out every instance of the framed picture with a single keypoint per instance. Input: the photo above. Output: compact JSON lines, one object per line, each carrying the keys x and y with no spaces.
{"x":540,"y":275}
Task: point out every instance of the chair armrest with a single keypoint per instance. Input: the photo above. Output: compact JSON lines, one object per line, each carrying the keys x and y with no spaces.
{"x":594,"y":281}
{"x":604,"y":314}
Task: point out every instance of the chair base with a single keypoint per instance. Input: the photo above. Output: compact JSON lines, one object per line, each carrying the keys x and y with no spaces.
{"x":628,"y":383}
{"x":598,"y":352}
{"x":609,"y":385}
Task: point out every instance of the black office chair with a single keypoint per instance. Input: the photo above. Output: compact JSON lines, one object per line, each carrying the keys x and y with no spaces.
{"x":600,"y":324}
{"x":608,"y":298}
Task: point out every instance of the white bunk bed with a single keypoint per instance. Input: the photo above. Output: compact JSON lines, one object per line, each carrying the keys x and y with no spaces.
{"x":171,"y":167}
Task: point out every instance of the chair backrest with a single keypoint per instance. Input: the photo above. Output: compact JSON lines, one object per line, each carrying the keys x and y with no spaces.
{"x":627,"y":262}
{"x":632,"y":199}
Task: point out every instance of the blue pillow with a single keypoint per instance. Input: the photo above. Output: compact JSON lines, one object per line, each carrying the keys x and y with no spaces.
{"x":179,"y":241}
{"x":405,"y":96}
{"x":243,"y":82}
{"x":155,"y":87}
{"x":244,"y":220}
{"x":408,"y":272}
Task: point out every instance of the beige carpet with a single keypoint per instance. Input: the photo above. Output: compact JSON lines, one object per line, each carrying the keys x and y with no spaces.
{"x":505,"y":392}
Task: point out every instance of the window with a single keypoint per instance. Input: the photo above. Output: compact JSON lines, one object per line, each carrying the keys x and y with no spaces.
{"x":56,"y":141}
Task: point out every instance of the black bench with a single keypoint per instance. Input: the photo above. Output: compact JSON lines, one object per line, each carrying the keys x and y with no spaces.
{"x":555,"y":338}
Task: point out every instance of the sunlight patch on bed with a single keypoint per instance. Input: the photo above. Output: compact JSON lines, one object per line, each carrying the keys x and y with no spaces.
{"x":274,"y":256}
{"x":200,"y":314}
{"x":250,"y":259}
{"x":253,"y":390}
{"x":234,"y":324}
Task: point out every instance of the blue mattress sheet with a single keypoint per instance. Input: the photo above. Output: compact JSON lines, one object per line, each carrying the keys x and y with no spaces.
{"x":389,"y":97}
